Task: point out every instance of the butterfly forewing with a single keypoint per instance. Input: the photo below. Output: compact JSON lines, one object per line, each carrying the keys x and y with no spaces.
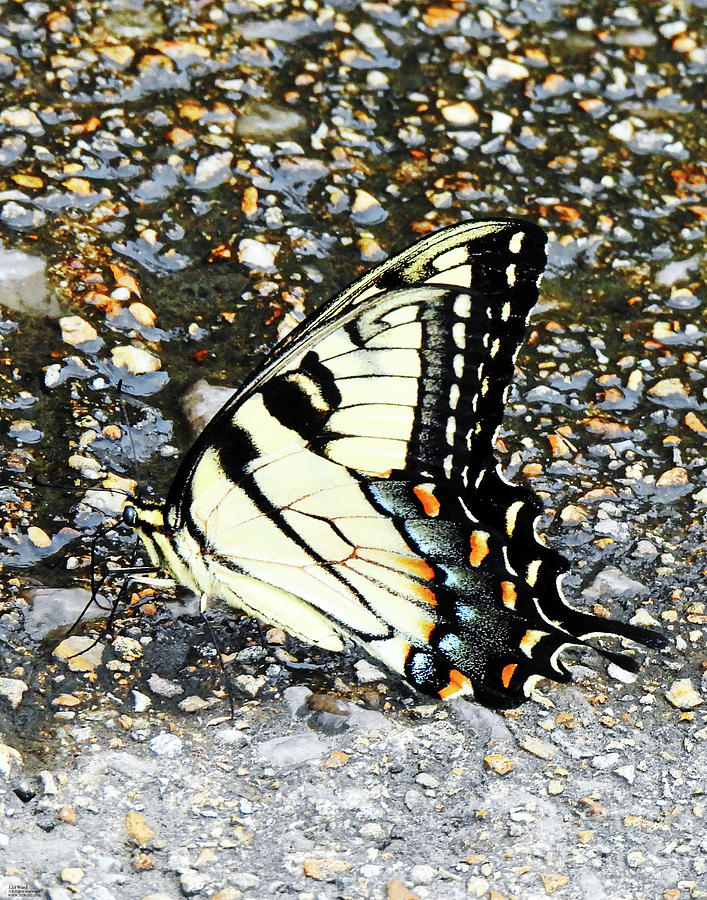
{"x":349,"y":487}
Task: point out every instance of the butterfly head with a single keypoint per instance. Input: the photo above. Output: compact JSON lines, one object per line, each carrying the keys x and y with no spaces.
{"x":147,"y":520}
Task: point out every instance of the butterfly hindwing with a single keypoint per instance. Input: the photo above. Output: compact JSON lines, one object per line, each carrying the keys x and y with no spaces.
{"x":349,"y":488}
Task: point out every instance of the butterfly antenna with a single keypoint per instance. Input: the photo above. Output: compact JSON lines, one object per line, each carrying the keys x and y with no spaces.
{"x":98,"y":583}
{"x":227,"y":683}
{"x":129,"y":431}
{"x":37,"y":481}
{"x":99,"y":533}
{"x":110,"y":621}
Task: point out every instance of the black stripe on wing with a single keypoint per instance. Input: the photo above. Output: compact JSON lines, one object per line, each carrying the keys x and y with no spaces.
{"x":472,"y":253}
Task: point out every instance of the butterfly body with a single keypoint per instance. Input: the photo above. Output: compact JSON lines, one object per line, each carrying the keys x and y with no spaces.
{"x":349,"y":488}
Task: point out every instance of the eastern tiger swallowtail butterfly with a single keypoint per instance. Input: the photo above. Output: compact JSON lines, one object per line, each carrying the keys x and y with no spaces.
{"x":349,"y":488}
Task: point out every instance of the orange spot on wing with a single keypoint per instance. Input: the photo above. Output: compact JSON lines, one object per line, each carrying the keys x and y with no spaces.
{"x":457,"y":682}
{"x":417,"y":567}
{"x":411,"y":565}
{"x":429,"y":502}
{"x":507,"y":673}
{"x":426,"y":629}
{"x":508,"y":594}
{"x":479,"y":543}
{"x":420,"y":592}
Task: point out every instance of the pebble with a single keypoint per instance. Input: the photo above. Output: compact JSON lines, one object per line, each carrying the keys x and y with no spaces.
{"x":623,"y":675}
{"x":612,"y":582}
{"x":477,"y":886}
{"x":367,"y":673}
{"x":251,"y":684}
{"x":505,"y":70}
{"x":694,"y":423}
{"x":245,"y":880}
{"x":228,"y":893}
{"x":76,"y":331}
{"x":372,"y":831}
{"x":23,"y":282}
{"x":427,"y":781}
{"x":194,"y":704}
{"x":627,"y":772}
{"x":81,"y":653}
{"x":644,"y":618}
{"x":605,"y":761}
{"x":371,"y":250}
{"x":538,"y":748}
{"x":501,"y":122}
{"x":269,"y":122}
{"x":23,"y":431}
{"x":138,"y":828}
{"x":249,"y":202}
{"x":440,"y":16}
{"x":12,"y":689}
{"x":163,"y":686}
{"x":22,"y":119}
{"x":136,"y":360}
{"x":553,"y":881}
{"x":622,"y":131}
{"x":141,"y":701}
{"x":165,"y":744}
{"x":9,"y":758}
{"x":192,"y":882}
{"x":38,"y":536}
{"x":258,"y":255}
{"x":292,"y":750}
{"x":460,"y":114}
{"x":127,"y":648}
{"x":325,"y":869}
{"x":422,"y":874}
{"x":683,"y":695}
{"x":675,"y":476}
{"x":72,"y":875}
{"x":366,"y":209}
{"x":66,"y":700}
{"x":668,"y":387}
{"x":202,"y":401}
{"x":396,"y":890}
{"x":367,"y":35}
{"x":677,"y":270}
{"x":573,"y":513}
{"x":498,"y":763}
{"x":213,"y":170}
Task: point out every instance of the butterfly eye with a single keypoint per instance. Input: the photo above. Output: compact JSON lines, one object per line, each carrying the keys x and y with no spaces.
{"x":130,"y":516}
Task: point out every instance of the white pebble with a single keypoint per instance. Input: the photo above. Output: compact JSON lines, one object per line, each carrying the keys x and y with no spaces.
{"x":462,"y":113}
{"x":505,"y":70}
{"x":134,"y":359}
{"x":257,"y":255}
{"x":622,"y":131}
{"x":500,"y":122}
{"x":165,"y":744}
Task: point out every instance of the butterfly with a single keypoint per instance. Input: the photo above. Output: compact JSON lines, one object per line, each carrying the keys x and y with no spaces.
{"x":349,"y":489}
